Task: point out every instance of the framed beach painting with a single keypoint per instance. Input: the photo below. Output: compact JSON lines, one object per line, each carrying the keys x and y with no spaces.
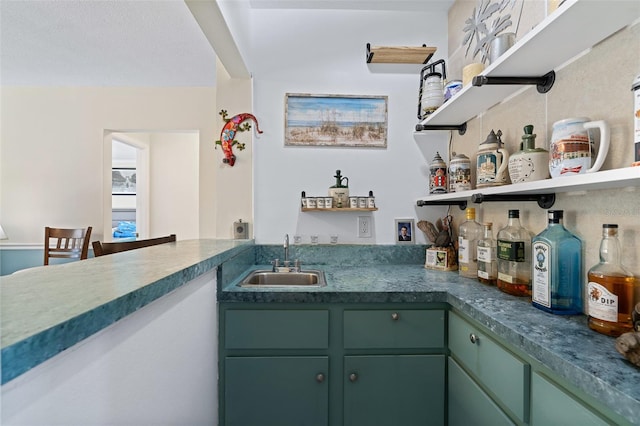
{"x":335,"y":120}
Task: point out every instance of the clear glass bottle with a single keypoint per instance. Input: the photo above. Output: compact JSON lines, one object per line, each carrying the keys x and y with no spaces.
{"x":612,"y":291}
{"x":487,"y":265}
{"x":514,"y":257}
{"x":469,"y":233}
{"x":556,"y":270}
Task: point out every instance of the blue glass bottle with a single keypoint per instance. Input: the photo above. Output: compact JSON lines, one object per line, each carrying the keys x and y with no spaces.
{"x":556,"y":268}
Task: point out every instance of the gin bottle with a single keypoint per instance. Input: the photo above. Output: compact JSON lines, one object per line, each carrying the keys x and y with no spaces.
{"x":514,"y":257}
{"x":487,"y":264}
{"x":612,"y":291}
{"x":469,"y":233}
{"x":556,"y":269}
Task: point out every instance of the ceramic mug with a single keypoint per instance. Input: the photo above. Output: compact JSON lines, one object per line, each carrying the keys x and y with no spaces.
{"x":573,"y":146}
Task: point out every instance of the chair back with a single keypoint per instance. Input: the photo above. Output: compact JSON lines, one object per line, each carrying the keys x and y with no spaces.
{"x":66,"y":243}
{"x":101,"y":249}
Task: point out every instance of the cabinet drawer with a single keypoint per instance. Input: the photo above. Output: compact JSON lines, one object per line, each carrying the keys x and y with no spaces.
{"x":496,"y":368}
{"x":276,"y":329}
{"x":401,"y":328}
{"x":552,"y":405}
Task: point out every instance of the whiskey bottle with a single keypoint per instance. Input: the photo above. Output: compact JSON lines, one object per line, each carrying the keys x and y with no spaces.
{"x":556,"y":268}
{"x":487,"y":264}
{"x":514,"y":257}
{"x":612,"y":291}
{"x":468,"y":234}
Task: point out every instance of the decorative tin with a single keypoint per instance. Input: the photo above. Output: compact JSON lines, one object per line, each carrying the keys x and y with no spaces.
{"x":459,"y":173}
{"x":438,"y":176}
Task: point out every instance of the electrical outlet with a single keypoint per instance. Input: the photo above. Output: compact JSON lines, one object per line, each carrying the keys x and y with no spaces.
{"x":364,"y":226}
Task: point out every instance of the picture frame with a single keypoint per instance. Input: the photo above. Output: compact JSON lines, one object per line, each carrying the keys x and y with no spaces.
{"x":402,"y":237}
{"x":336,"y":120}
{"x":123,"y":181}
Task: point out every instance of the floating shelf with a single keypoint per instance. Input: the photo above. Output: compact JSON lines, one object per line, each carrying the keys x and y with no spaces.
{"x":609,"y":179}
{"x":558,"y":38}
{"x":342,"y":209}
{"x":399,"y":54}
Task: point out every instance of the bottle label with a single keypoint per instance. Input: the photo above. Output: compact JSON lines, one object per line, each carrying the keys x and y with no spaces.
{"x":463,"y":250}
{"x":602,"y":303}
{"x":512,"y":251}
{"x":541,"y":274}
{"x":484,"y":254}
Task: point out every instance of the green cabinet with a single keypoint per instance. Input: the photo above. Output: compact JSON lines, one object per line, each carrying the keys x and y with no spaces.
{"x":468,"y":403}
{"x":291,"y":364}
{"x":503,"y":374}
{"x":276,"y":391}
{"x":394,"y":390}
{"x":552,"y":405}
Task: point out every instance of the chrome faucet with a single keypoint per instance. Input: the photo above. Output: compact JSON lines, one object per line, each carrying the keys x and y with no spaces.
{"x":286,"y":249}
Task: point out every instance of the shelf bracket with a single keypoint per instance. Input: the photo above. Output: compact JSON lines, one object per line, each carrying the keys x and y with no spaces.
{"x":545,"y":201}
{"x":462,"y":128}
{"x":460,"y":203}
{"x":544,"y":83}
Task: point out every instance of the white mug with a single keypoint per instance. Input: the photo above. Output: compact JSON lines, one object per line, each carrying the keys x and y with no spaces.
{"x":572,"y":147}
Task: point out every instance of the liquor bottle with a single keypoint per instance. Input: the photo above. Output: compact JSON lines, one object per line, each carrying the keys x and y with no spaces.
{"x":469,"y":233}
{"x":514,"y":257}
{"x":487,"y":265}
{"x":556,"y":270}
{"x":612,"y":291}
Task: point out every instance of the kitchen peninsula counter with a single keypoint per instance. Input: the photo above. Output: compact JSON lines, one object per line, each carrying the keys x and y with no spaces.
{"x":45,"y":310}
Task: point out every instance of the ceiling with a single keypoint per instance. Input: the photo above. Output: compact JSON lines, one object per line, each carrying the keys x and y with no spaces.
{"x":128,"y":42}
{"x":103,"y":43}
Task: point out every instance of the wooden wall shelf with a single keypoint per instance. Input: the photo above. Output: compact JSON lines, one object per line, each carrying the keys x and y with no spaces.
{"x":342,"y":209}
{"x":399,"y":54}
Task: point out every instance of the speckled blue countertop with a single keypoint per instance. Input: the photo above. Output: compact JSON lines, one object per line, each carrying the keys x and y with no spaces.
{"x":563,"y":344}
{"x":48,"y":309}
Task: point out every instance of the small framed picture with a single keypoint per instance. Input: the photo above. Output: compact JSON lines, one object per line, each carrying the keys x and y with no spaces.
{"x":404,"y":231}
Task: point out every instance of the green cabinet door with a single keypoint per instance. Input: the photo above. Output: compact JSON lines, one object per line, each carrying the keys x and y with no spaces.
{"x":550,"y":405}
{"x":468,"y":404}
{"x":276,"y":391}
{"x":388,"y":390}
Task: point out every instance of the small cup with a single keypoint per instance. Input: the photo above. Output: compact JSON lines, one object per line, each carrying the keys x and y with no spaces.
{"x":320,"y":202}
{"x":328,"y":202}
{"x":333,"y":239}
{"x":314,"y":239}
{"x":311,"y":203}
{"x":362,"y":202}
{"x":500,"y":44}
{"x":353,"y":202}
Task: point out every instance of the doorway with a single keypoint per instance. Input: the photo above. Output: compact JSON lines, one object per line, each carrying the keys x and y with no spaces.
{"x":166,"y":195}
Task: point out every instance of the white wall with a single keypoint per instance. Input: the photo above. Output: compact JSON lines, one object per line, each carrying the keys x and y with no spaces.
{"x":323,"y":52}
{"x":157,"y":366}
{"x":174,"y":185}
{"x":52,"y":152}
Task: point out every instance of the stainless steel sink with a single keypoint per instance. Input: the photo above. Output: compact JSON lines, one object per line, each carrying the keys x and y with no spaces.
{"x":268,"y":278}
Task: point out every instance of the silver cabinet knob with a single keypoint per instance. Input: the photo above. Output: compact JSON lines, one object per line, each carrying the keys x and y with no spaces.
{"x":473,"y":338}
{"x":353,"y":377}
{"x":395,"y":316}
{"x":319,"y":377}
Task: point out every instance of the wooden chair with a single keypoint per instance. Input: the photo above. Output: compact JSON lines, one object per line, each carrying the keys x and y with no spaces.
{"x":101,"y":249}
{"x":66,"y":243}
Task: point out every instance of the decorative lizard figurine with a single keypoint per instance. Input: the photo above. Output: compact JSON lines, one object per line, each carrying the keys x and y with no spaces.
{"x":232,"y":126}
